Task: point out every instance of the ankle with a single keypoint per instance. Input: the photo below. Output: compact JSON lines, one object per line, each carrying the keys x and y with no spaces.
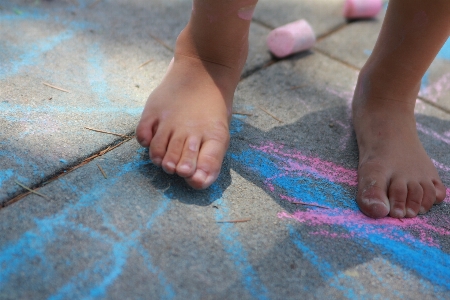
{"x":378,"y":88}
{"x":386,"y":80}
{"x":230,"y":54}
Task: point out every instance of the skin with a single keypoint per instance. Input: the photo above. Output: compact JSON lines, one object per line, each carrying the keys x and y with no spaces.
{"x":395,"y":175}
{"x":185,"y":122}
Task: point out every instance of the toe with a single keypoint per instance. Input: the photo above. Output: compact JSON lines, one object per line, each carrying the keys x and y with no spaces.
{"x":440,"y":191}
{"x":414,"y":199}
{"x":209,"y":163}
{"x":398,"y":193}
{"x":144,"y":131}
{"x":158,"y":146}
{"x":429,"y":197}
{"x":372,"y":190}
{"x":188,"y":161}
{"x":173,"y":153}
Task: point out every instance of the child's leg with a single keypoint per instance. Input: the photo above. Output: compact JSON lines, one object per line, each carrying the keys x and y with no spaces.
{"x":395,"y":175}
{"x":185,"y":120}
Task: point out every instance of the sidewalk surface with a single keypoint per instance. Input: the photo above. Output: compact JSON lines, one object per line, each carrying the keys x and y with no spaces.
{"x":135,"y":232}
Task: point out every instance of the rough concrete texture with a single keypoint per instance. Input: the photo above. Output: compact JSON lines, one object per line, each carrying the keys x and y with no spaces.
{"x":140,"y":233}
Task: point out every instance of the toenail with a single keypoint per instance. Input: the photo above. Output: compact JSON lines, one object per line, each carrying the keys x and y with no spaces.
{"x":410,"y":212}
{"x":422,"y":210}
{"x":140,"y":140}
{"x":200,"y":175}
{"x":246,"y":13}
{"x":184,"y":168}
{"x":372,"y":202}
{"x":157,"y":161}
{"x":171,"y":165}
{"x":398,"y":213}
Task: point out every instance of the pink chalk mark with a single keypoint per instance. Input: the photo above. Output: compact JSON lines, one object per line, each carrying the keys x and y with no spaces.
{"x":333,"y":234}
{"x":367,"y":226}
{"x":293,"y":200}
{"x":447,"y":199}
{"x":440,"y":166}
{"x":295,"y":161}
{"x":246,"y":13}
{"x":270,"y":186}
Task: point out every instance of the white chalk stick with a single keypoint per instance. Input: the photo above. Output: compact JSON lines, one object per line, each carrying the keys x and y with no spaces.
{"x":358,"y":9}
{"x":291,"y":38}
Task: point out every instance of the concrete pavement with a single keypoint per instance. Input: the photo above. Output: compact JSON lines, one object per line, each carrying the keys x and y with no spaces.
{"x":130,"y":231}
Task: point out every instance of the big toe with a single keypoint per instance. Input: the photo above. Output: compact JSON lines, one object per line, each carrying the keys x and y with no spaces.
{"x":209,"y":164}
{"x":372,"y":195}
{"x":441,"y":191}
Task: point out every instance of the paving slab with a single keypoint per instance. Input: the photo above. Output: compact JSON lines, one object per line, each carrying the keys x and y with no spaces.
{"x":354,"y":44}
{"x":164,"y":21}
{"x":141,"y":233}
{"x":95,"y":56}
{"x":93,"y":49}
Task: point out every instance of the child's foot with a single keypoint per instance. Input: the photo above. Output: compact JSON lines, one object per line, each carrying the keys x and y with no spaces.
{"x":395,"y":175}
{"x":185,"y":122}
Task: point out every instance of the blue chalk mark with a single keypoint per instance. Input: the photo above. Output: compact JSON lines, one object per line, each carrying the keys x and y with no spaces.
{"x":19,"y":163}
{"x":399,"y":272}
{"x":236,"y":126}
{"x":322,"y":266}
{"x":327,"y":271}
{"x":40,"y":15}
{"x":63,"y":161}
{"x":76,"y":284}
{"x":230,"y":239}
{"x":430,"y":263}
{"x":120,"y":255}
{"x":169,"y":293}
{"x":5,"y":175}
{"x":46,"y":109}
{"x":31,"y":54}
{"x":29,"y":14}
{"x":367,"y":52}
{"x":425,"y":81}
{"x":309,"y":187}
{"x":97,"y":78}
{"x":17,"y":256}
{"x":444,"y":53}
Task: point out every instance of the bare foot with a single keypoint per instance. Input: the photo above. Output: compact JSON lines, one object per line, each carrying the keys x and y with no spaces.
{"x":185,"y":122}
{"x":395,"y":175}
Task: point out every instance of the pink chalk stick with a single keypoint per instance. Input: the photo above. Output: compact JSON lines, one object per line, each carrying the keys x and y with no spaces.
{"x":356,"y":9}
{"x":291,"y":38}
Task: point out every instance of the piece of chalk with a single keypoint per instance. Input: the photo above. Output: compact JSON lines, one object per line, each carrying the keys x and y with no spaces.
{"x":358,"y":9}
{"x":291,"y":38}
